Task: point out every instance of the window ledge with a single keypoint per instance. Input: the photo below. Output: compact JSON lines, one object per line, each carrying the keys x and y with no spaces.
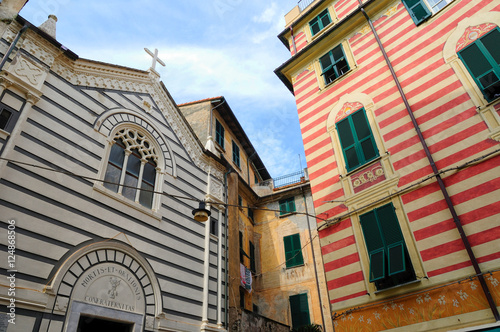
{"x":397,"y":286}
{"x":101,"y":189}
{"x":327,"y":86}
{"x":4,"y":134}
{"x":287,"y":214}
{"x":357,"y":169}
{"x":296,"y":266}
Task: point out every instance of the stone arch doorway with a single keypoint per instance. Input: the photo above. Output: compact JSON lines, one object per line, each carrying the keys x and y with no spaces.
{"x":107,"y":286}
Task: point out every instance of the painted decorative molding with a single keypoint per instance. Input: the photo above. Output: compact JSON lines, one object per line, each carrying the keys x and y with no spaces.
{"x":348,"y":109}
{"x":368,"y":177}
{"x":471,"y":34}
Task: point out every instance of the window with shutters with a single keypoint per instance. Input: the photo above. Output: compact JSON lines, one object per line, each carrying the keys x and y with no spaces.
{"x":320,"y":22}
{"x":132,"y":167}
{"x":334,"y":64}
{"x":287,"y":206}
{"x":299,"y":310}
{"x":5,"y":116}
{"x":357,"y":140}
{"x":219,"y":133}
{"x":390,"y":263}
{"x":236,"y":154}
{"x":293,"y":251}
{"x":252,"y":258}
{"x":421,"y":10}
{"x":482,"y":60}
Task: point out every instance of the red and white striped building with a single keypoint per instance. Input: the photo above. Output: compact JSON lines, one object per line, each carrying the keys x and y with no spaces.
{"x":399,"y":108}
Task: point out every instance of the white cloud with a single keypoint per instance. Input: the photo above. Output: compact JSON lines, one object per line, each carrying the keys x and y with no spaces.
{"x":268,"y":15}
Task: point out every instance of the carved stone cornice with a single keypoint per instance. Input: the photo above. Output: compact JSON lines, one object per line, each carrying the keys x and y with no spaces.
{"x":102,"y":75}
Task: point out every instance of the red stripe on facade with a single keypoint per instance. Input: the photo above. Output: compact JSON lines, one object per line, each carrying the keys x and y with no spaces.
{"x":349,"y":9}
{"x":404,"y":145}
{"x":326,"y":183}
{"x":449,"y":268}
{"x":413,"y":176}
{"x":327,"y":200}
{"x":485,"y":236}
{"x":335,"y":228}
{"x":345,"y":280}
{"x":464,"y":196}
{"x":472,"y":171}
{"x":322,"y":157}
{"x":344,"y":261}
{"x":419,"y":155}
{"x":457,"y":118}
{"x":457,"y":138}
{"x":314,"y":135}
{"x":331,"y":167}
{"x":488,"y":258}
{"x":338,"y":245}
{"x":427,"y":210}
{"x":317,"y":146}
{"x":436,"y":95}
{"x":442,"y":250}
{"x":466,"y":218}
{"x":421,"y":192}
{"x":402,"y":129}
{"x":461,"y":155}
{"x":299,"y":79}
{"x":348,"y":297}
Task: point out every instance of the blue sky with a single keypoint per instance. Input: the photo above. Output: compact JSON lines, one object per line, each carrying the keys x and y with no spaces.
{"x":211,"y":48}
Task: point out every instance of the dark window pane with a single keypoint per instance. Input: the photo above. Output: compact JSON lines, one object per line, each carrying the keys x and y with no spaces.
{"x":377,"y":265}
{"x":488,"y":79}
{"x":361,"y":125}
{"x":492,"y":43}
{"x":396,"y":261}
{"x":351,"y":158}
{"x":337,"y":53}
{"x":368,"y":149}
{"x":4,"y":118}
{"x":130,"y":185}
{"x":345,"y":133}
{"x":149,"y":173}
{"x":315,"y":28}
{"x":325,"y":61}
{"x":117,"y":154}
{"x":146,"y":195}
{"x":133,"y":164}
{"x":475,"y":60}
{"x":112,"y":176}
{"x":325,"y":20}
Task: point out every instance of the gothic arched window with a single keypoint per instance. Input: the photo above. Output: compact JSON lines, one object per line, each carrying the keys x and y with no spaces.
{"x":132,"y":167}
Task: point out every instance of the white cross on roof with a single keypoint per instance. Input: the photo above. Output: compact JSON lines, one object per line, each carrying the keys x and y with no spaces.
{"x":155,"y":58}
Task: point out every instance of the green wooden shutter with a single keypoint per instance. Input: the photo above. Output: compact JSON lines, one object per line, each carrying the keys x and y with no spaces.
{"x":283,"y":207}
{"x":219,"y":133}
{"x":252,"y":257}
{"x":299,"y":310}
{"x":365,"y":136}
{"x":347,"y":142}
{"x":482,"y":60}
{"x":374,"y":244}
{"x":418,"y":10}
{"x":291,"y":204}
{"x":393,"y":237}
{"x":356,"y":139}
{"x":293,"y":251}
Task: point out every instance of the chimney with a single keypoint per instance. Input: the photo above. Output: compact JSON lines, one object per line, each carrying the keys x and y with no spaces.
{"x":9,"y":9}
{"x":49,"y":26}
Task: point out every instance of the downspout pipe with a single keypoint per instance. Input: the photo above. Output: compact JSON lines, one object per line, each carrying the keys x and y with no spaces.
{"x":314,"y":258}
{"x":12,"y":46}
{"x":440,"y":182}
{"x":226,"y":258}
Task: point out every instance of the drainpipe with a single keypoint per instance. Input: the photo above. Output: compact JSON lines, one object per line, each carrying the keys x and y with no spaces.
{"x":314,"y":258}
{"x":440,"y":182}
{"x":226,"y":297}
{"x":12,"y":46}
